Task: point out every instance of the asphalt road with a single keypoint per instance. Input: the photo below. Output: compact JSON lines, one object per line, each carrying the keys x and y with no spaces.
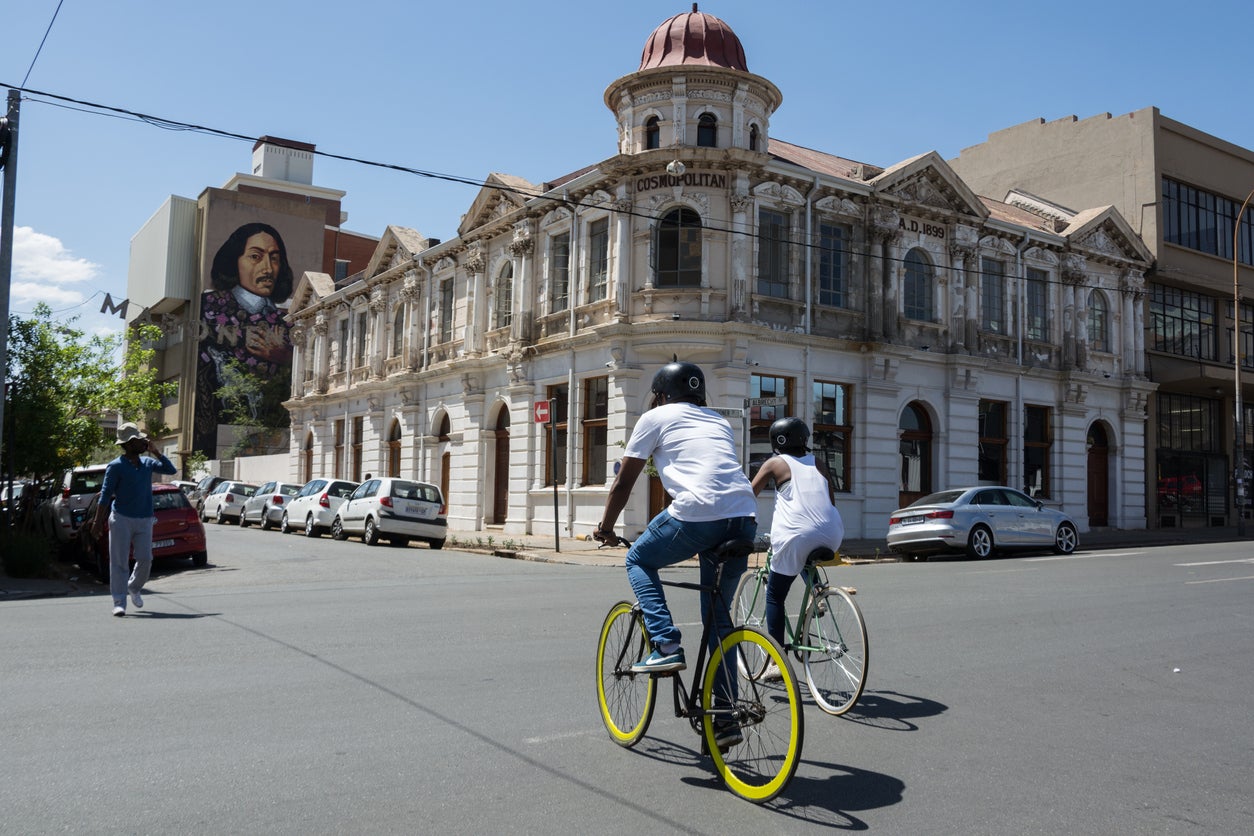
{"x":299,"y":686}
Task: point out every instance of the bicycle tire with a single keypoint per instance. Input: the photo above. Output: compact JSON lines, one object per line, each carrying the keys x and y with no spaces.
{"x":749,"y":609}
{"x":626,"y":699}
{"x":769,"y":716}
{"x":834,"y":650}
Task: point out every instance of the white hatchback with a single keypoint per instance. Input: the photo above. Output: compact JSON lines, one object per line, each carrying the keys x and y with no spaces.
{"x":398,"y":510}
{"x":314,"y":506}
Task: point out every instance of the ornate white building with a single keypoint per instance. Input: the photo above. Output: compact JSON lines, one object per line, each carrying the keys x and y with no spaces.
{"x":930,"y":336}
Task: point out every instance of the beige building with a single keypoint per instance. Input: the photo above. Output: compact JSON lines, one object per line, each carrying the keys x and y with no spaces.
{"x":1181,"y":190}
{"x":930,"y":336}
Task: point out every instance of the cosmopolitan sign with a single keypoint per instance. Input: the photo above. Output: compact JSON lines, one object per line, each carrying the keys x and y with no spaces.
{"x":704,"y":179}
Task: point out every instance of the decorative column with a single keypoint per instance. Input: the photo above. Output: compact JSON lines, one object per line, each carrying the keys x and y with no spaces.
{"x":741,"y":253}
{"x":410,"y":293}
{"x":964,"y":325}
{"x":622,"y":253}
{"x":882,"y":302}
{"x":299,"y":360}
{"x":322,"y":349}
{"x":476,"y":264}
{"x":522,"y":297}
{"x":378,"y":305}
{"x":1074,"y":355}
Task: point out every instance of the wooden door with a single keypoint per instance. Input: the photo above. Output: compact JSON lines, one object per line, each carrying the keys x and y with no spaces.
{"x":1098,"y":476}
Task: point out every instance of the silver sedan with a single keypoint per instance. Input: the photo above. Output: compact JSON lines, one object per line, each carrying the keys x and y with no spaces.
{"x":979,"y":521}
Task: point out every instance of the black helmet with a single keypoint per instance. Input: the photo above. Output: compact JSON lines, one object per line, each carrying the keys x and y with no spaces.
{"x":680,"y":381}
{"x":789,"y":434}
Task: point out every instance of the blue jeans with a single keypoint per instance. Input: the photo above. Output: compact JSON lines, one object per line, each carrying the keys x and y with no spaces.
{"x":777,"y":587}
{"x":668,"y":541}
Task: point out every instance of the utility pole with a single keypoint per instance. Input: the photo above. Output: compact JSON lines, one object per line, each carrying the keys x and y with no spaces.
{"x":8,"y":152}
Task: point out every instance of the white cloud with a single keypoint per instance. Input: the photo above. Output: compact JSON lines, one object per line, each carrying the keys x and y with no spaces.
{"x":45,"y":271}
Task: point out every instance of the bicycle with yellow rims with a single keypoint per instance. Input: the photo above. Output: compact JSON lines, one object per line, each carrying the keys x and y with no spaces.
{"x":828,"y":635}
{"x":759,"y":723}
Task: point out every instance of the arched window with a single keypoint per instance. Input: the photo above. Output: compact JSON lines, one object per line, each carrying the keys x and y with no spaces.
{"x":652,"y":133}
{"x":394,"y":449}
{"x":679,"y":249}
{"x":504,"y":293}
{"x":753,"y":137}
{"x":1099,"y":322}
{"x":398,"y":331}
{"x":915,"y":431}
{"x":917,"y":293}
{"x":707,"y":131}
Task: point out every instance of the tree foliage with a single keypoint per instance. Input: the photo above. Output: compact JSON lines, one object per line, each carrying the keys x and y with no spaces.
{"x":60,"y":384}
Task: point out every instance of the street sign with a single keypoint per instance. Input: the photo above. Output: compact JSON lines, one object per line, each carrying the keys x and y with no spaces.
{"x":541,"y":410}
{"x":729,"y":413}
{"x":766,"y":401}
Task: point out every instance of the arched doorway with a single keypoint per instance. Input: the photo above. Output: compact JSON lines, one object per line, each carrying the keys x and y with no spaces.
{"x":914,"y":430}
{"x":500,"y":492}
{"x":1098,"y":444}
{"x":446,"y":458}
{"x":394,"y":449}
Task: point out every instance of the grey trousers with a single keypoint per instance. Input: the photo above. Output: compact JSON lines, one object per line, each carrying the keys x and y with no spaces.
{"x":128,"y":537}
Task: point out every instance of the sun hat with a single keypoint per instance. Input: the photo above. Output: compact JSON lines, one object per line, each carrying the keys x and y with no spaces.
{"x":130,"y":432}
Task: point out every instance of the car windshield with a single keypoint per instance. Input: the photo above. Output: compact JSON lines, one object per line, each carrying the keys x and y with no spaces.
{"x":169,"y":500}
{"x":413,"y":490}
{"x":938,"y":498}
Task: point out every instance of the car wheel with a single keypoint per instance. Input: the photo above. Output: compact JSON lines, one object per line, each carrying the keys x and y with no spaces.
{"x":311,"y":528}
{"x":980,"y":543}
{"x":220,"y":516}
{"x":265,"y":523}
{"x":284,"y":527}
{"x":436,"y":544}
{"x":1065,"y":539}
{"x":200,"y":559}
{"x":370,"y":534}
{"x":337,"y":530}
{"x":243,"y":520}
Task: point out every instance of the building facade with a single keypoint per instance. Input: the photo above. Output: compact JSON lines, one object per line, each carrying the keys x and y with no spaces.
{"x":1182,"y":190}
{"x":931,"y":337}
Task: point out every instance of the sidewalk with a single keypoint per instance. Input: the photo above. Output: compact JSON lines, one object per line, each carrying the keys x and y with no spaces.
{"x":589,"y":553}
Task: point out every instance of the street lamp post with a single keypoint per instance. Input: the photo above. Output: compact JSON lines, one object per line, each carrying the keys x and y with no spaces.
{"x":1238,"y":447}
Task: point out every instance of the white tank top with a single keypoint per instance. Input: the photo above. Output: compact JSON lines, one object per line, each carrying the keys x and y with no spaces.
{"x":804,"y":519}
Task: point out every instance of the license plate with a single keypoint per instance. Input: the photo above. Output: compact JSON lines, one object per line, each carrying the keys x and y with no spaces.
{"x":162,"y":544}
{"x":418,"y":510}
{"x":911,"y":520}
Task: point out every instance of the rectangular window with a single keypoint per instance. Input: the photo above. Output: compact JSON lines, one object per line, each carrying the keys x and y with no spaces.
{"x":1038,"y":305}
{"x":833,"y":258}
{"x":559,"y":400}
{"x":761,"y":417}
{"x":341,"y":269}
{"x":1188,"y":423}
{"x":559,"y":272}
{"x":1247,"y":334}
{"x":1182,"y":322}
{"x":358,"y":433}
{"x":339,"y":447}
{"x":774,"y":253}
{"x":596,"y":410}
{"x":446,"y":310}
{"x":342,"y":364}
{"x":598,"y":259}
{"x":1037,"y":438}
{"x":398,"y":331}
{"x":992,"y":458}
{"x":992,"y":295}
{"x":833,"y":431}
{"x":1204,"y":221}
{"x":359,"y":341}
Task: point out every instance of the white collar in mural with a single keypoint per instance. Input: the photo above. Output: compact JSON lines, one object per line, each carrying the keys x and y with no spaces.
{"x":251,"y":302}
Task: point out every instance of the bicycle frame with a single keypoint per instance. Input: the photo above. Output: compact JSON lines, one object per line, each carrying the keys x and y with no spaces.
{"x":814,"y":579}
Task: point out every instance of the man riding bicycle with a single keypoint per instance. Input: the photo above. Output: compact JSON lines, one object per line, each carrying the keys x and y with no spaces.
{"x":694,"y":450}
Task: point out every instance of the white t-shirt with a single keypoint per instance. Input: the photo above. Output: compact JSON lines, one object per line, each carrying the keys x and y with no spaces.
{"x":694,"y":451}
{"x":804,"y":519}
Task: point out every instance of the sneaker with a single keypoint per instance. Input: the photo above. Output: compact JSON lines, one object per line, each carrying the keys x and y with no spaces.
{"x":771,"y":674}
{"x":137,"y":600}
{"x":659,"y":662}
{"x":727,"y":736}
{"x":119,"y":611}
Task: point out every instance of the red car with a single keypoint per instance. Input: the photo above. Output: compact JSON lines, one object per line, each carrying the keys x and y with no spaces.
{"x":177,"y":532}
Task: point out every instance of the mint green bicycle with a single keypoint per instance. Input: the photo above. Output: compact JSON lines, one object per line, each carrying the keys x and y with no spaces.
{"x":828,"y":635}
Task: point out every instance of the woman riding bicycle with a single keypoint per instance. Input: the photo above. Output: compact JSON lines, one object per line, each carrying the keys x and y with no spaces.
{"x":805,"y":514}
{"x":694,"y":450}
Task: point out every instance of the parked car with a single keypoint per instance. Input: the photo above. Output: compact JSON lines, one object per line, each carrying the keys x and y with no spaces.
{"x":176,"y":532}
{"x":61,"y":515}
{"x":224,"y":503}
{"x":396,"y":509}
{"x":314,"y":506}
{"x":979,"y":521}
{"x":202,"y":489}
{"x":265,"y":507}
{"x":185,"y":487}
{"x":22,"y":492}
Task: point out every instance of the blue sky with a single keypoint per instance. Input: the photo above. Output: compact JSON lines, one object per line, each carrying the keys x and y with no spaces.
{"x":467,"y":89}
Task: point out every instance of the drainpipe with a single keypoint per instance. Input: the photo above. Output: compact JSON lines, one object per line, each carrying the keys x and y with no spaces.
{"x":809,"y":239}
{"x":1020,"y":278}
{"x":572,"y":265}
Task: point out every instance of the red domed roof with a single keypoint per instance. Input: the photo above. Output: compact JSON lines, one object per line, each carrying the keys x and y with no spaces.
{"x":693,"y":38}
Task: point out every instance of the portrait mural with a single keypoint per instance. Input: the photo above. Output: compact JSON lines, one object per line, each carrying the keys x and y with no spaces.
{"x":253,"y":259}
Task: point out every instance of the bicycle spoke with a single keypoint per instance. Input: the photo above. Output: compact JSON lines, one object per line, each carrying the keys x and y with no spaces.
{"x":626,"y":699}
{"x":835,"y":651}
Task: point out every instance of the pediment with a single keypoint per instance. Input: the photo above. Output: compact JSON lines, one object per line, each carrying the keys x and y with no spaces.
{"x":1104,"y":232}
{"x":927,"y":181}
{"x":398,"y":245}
{"x":499,"y":195}
{"x":311,"y":288}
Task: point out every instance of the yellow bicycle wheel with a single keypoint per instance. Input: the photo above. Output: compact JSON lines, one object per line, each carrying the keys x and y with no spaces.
{"x":626,"y":699}
{"x":758,"y":721}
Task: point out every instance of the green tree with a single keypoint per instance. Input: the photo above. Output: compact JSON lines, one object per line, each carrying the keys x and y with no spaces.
{"x":60,"y":383}
{"x":253,"y":405}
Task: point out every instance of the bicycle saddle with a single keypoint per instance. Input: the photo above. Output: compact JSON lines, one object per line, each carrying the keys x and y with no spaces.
{"x":820,"y":555}
{"x":740,"y":547}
